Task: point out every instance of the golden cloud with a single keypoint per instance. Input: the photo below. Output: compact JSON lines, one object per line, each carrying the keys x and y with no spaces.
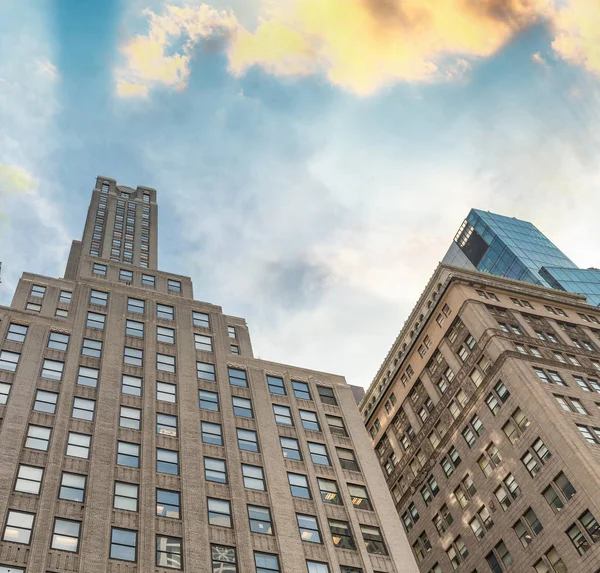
{"x":360,"y":45}
{"x":14,"y":179}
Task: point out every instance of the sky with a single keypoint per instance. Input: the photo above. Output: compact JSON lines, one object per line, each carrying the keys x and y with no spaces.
{"x":313,"y":158}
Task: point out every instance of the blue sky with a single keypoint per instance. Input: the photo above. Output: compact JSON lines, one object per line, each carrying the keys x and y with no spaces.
{"x":313,"y":158}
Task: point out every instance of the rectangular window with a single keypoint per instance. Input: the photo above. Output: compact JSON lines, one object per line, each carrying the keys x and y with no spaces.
{"x":165,"y":363}
{"x":347,"y":459}
{"x":123,"y":544}
{"x":125,"y":275}
{"x":291,"y":448}
{"x":200,"y":319}
{"x":276,"y":385}
{"x":166,"y":335}
{"x":309,"y":528}
{"x":211,"y":433}
{"x":165,"y":311}
{"x":203,"y":342}
{"x":253,"y":477}
{"x":166,"y":392}
{"x":301,"y":390}
{"x":126,"y":496}
{"x":309,"y":420}
{"x":360,"y":497}
{"x":99,"y":269}
{"x":299,"y":486}
{"x":329,"y":491}
{"x":242,"y":407}
{"x":72,"y":487}
{"x":133,"y":356}
{"x":131,"y":385}
{"x":148,"y":280}
{"x":98,"y":297}
{"x":38,"y":438}
{"x":231,"y":331}
{"x":219,"y":512}
{"x":327,"y":396}
{"x":19,"y":527}
{"x":208,"y":400}
{"x":215,"y":470}
{"x":130,"y":418}
{"x":83,"y":409}
{"x":34,"y":307}
{"x":78,"y":445}
{"x":45,"y":401}
{"x":56,"y":340}
{"x":168,"y":503}
{"x":95,"y":320}
{"x":128,"y":454}
{"x":91,"y":348}
{"x":29,"y":479}
{"x":52,"y":369}
{"x":237,"y":377}
{"x":283,"y":415}
{"x":38,"y":290}
{"x":9,"y":360}
{"x":167,"y":461}
{"x":247,"y":440}
{"x":60,"y":313}
{"x":266,"y":563}
{"x":65,"y":296}
{"x":373,"y":539}
{"x":134,"y":328}
{"x":336,"y":425}
{"x":206,"y":371}
{"x":223,"y":559}
{"x":318,"y":454}
{"x":260,"y":520}
{"x":18,"y":332}
{"x":173,"y":285}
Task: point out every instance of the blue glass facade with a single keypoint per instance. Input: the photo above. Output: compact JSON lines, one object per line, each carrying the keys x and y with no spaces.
{"x":509,"y":247}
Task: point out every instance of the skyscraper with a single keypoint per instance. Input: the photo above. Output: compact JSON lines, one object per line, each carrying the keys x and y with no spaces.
{"x":485,"y":416}
{"x":140,"y":434}
{"x":509,"y":247}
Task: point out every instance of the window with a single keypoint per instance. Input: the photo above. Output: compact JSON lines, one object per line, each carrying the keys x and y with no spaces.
{"x":200,"y":319}
{"x":499,"y":559}
{"x":260,"y":520}
{"x":450,"y":461}
{"x":360,"y":496}
{"x":45,"y":401}
{"x":133,"y":356}
{"x":553,"y":563}
{"x":72,"y":487}
{"x":130,"y":385}
{"x":168,"y":503}
{"x":347,"y":459}
{"x":223,"y":559}
{"x":301,"y":390}
{"x":166,"y":392}
{"x":242,"y":407}
{"x":148,"y":280}
{"x":203,"y":342}
{"x":291,"y":449}
{"x":283,"y":415}
{"x":34,"y":307}
{"x":516,"y":425}
{"x":173,"y":285}
{"x":38,"y":438}
{"x":309,"y":528}
{"x":430,"y":490}
{"x":442,"y":520}
{"x":231,"y":331}
{"x":78,"y":445}
{"x":167,"y":461}
{"x":125,"y":275}
{"x":234,"y":349}
{"x":215,"y":470}
{"x":65,"y":296}
{"x":329,"y":491}
{"x":38,"y":290}
{"x":164,"y":334}
{"x":341,"y":534}
{"x":9,"y":360}
{"x":29,"y":479}
{"x":299,"y":485}
{"x":126,"y":496}
{"x":508,"y":491}
{"x":99,"y":269}
{"x":527,"y":527}
{"x":52,"y":369}
{"x":206,"y":371}
{"x":4,"y":392}
{"x":208,"y":400}
{"x":373,"y":539}
{"x":309,"y":420}
{"x":276,"y":385}
{"x":465,"y":491}
{"x":336,"y":425}
{"x":165,"y":363}
{"x":327,"y":396}
{"x":83,"y":409}
{"x":98,"y":297}
{"x":123,"y":544}
{"x":266,"y":563}
{"x":237,"y":377}
{"x":134,"y":328}
{"x":95,"y":320}
{"x":166,"y":424}
{"x":19,"y":527}
{"x":247,"y":440}
{"x":18,"y":332}
{"x":91,"y":348}
{"x":165,"y":311}
{"x":128,"y":454}
{"x":60,"y":313}
{"x":56,"y":340}
{"x":211,"y":433}
{"x":219,"y":512}
{"x":253,"y":477}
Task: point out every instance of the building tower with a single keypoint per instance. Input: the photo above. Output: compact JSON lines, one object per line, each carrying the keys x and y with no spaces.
{"x":485,"y":416}
{"x":139,"y":434}
{"x":515,"y":249}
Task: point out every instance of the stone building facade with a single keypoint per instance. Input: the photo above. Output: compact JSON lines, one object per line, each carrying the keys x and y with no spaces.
{"x":139,"y":434}
{"x":485,"y":416}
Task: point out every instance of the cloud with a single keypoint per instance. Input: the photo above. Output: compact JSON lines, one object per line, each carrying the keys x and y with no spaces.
{"x":47,"y":68}
{"x":539,"y":59}
{"x":15,"y":179}
{"x":360,"y":45}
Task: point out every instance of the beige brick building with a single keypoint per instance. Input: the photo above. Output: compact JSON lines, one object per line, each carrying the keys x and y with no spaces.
{"x":485,"y":416}
{"x":139,"y":433}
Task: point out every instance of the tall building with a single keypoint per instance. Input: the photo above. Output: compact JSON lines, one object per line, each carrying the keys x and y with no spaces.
{"x":509,"y":247}
{"x":140,"y":434}
{"x":485,"y":416}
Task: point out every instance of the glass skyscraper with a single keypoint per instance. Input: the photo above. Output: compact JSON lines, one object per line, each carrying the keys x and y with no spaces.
{"x":508,"y":247}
